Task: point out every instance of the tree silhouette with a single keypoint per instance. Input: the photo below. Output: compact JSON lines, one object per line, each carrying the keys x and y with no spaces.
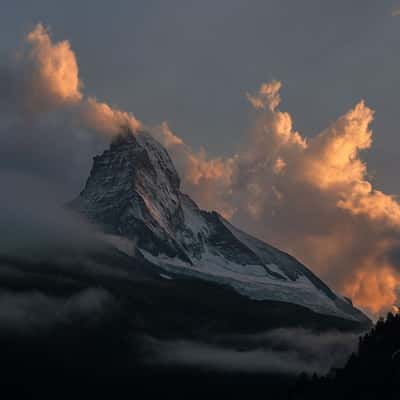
{"x":373,"y":372}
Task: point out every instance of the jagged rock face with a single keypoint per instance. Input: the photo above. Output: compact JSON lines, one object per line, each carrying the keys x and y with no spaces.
{"x":134,"y":192}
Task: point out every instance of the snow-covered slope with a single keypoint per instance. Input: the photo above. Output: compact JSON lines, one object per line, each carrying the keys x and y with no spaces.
{"x":134,"y":192}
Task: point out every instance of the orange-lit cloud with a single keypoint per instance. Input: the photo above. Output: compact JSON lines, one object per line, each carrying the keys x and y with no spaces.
{"x":207,"y":179}
{"x":52,"y":81}
{"x":54,"y":71}
{"x":268,"y":96}
{"x":312,"y":198}
{"x":105,"y":119}
{"x":332,"y":158}
{"x":374,"y":287}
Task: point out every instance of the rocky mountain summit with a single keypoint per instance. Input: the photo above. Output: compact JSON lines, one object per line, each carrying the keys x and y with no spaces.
{"x":133,"y":193}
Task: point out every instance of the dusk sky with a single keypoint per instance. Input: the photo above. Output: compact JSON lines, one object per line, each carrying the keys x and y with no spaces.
{"x":281,"y":115}
{"x":191,"y":62}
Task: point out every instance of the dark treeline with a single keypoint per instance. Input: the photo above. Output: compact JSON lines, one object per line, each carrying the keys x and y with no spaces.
{"x":102,"y":357}
{"x":373,"y":372}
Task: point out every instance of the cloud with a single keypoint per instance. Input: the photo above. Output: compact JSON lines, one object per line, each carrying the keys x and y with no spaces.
{"x":105,"y":119}
{"x":287,"y":351}
{"x":267,"y":97}
{"x":207,"y":179}
{"x":54,"y":74}
{"x":35,"y":225}
{"x":52,"y":79}
{"x":46,"y":119}
{"x":28,"y":312}
{"x":312,"y":197}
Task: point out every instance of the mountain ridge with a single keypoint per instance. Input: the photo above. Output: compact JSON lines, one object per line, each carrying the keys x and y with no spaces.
{"x":133,"y":193}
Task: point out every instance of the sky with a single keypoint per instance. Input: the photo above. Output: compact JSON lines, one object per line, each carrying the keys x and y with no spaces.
{"x":280,"y":115}
{"x":190,"y":62}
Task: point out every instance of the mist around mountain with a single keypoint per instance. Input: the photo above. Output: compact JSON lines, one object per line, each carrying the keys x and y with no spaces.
{"x":132,"y":284}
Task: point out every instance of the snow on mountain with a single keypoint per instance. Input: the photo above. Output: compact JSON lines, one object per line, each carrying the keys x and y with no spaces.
{"x":133,"y":193}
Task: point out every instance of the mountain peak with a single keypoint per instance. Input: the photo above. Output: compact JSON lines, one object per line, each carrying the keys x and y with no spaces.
{"x":133,"y":191}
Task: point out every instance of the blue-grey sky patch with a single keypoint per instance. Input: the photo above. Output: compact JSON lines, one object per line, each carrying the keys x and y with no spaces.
{"x":191,"y":62}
